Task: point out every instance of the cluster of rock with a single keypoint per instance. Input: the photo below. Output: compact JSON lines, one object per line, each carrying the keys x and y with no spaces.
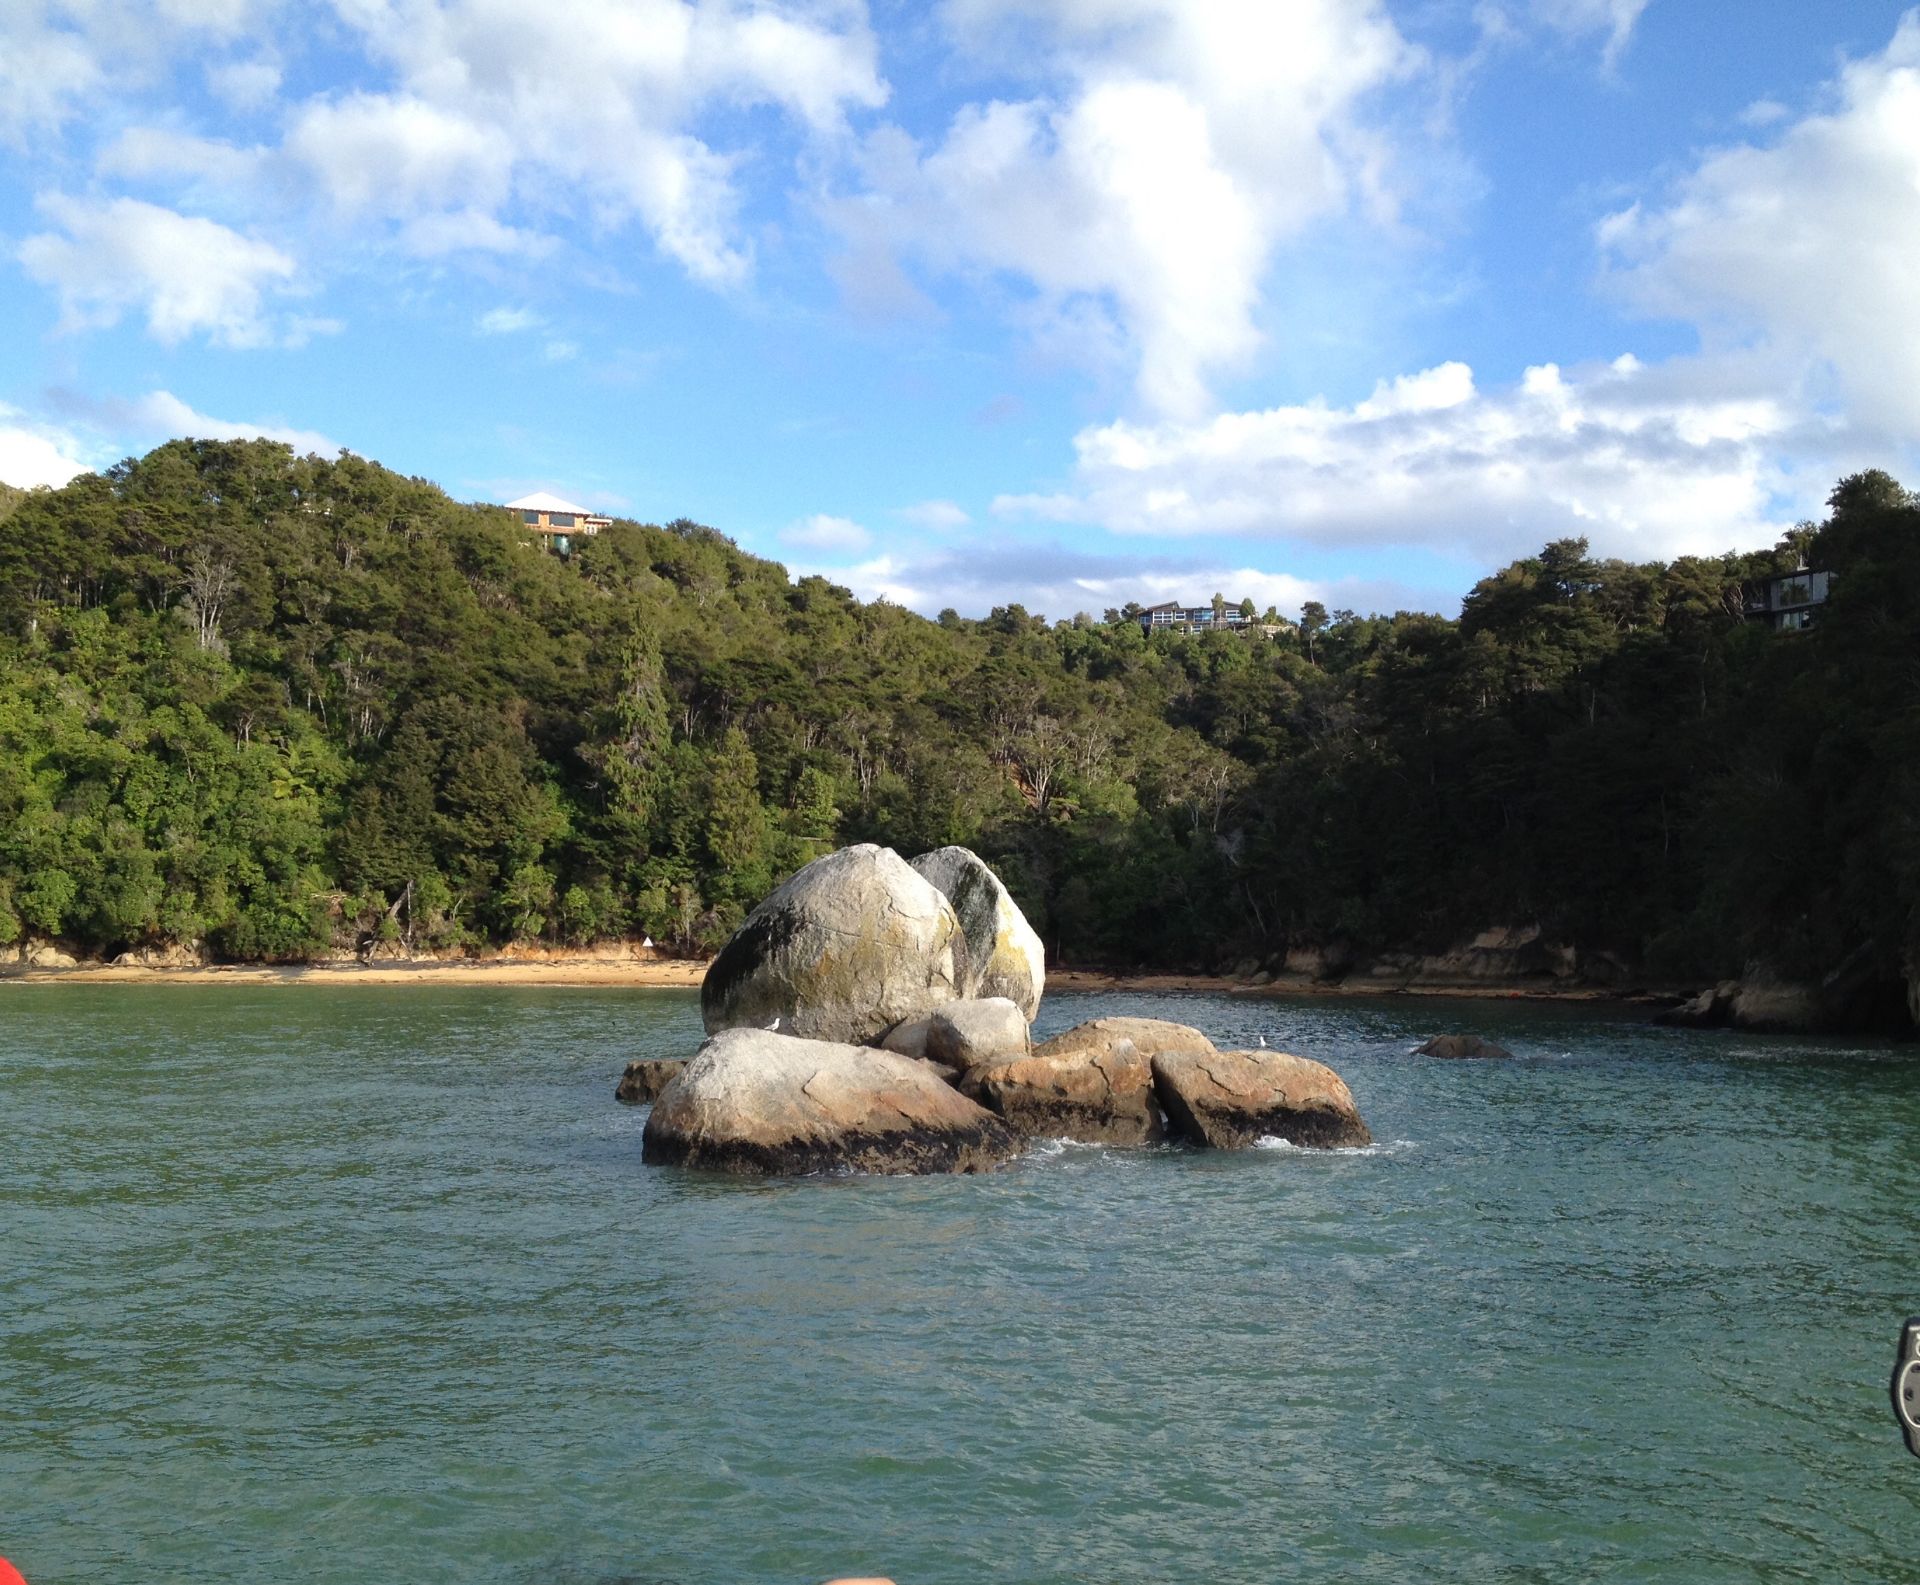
{"x":1455,"y":1048}
{"x":874,"y":1015}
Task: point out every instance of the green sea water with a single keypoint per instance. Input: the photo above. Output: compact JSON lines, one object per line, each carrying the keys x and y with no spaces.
{"x":336,"y":1285}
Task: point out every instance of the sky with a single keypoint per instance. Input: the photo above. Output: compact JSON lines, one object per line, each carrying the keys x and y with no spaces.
{"x":969,"y":302}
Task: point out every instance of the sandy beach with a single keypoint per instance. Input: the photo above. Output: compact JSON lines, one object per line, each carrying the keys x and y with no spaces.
{"x":605,"y":971}
{"x":599,"y":973}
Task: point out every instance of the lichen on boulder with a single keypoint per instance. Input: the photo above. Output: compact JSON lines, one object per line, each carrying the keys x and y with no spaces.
{"x":1005,"y":956}
{"x":848,"y":947}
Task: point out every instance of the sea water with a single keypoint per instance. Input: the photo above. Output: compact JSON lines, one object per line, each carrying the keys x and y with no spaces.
{"x":342,"y":1285}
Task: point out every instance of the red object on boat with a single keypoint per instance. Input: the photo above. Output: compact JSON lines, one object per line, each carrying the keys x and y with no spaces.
{"x":9,"y":1575}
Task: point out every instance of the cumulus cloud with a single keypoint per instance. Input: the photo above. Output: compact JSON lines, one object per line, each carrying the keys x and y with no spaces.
{"x":59,"y":56}
{"x":1055,"y":581}
{"x":44,"y":69}
{"x":1140,"y":198}
{"x":1686,"y":458}
{"x":824,"y":532}
{"x":590,"y":103}
{"x":189,"y":276}
{"x":939,"y":516}
{"x":33,"y":454}
{"x":160,"y":415}
{"x":245,"y":84}
{"x":144,"y":153}
{"x":1808,"y":246}
{"x":466,"y":126}
{"x":397,"y":155}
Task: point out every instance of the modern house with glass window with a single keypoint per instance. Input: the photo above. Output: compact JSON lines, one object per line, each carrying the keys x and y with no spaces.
{"x":1788,"y":601}
{"x":1174,"y":614}
{"x":556,"y":520}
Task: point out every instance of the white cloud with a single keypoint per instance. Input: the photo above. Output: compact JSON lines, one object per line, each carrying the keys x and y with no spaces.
{"x":1616,"y":18}
{"x":824,"y":532}
{"x":34,"y":454}
{"x":44,"y":69}
{"x":470,"y":231}
{"x":589,"y":105}
{"x":1808,"y":247}
{"x":160,"y":415}
{"x":1141,"y":202}
{"x":147,"y":152}
{"x":1059,"y":582}
{"x":246,"y":84}
{"x":939,"y":516}
{"x":507,"y":321}
{"x":59,"y":58}
{"x":188,"y":275}
{"x":558,"y":351}
{"x":1687,"y":458}
{"x":397,"y":155}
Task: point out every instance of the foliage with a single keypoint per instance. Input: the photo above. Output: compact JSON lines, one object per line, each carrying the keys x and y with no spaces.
{"x":281,"y":705}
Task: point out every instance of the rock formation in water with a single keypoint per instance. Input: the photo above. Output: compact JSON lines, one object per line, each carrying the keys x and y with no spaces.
{"x":850,"y":946}
{"x":1095,"y":1090}
{"x":1459,"y":1046}
{"x":645,"y":1078}
{"x":933,"y":965}
{"x":752,"y":1101}
{"x":1004,"y":955}
{"x":1230,"y":1099}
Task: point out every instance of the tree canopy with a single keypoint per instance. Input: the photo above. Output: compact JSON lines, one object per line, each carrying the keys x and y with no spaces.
{"x":286,"y":706}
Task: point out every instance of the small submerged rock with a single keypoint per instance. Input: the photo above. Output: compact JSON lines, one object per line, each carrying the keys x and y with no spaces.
{"x":1228,"y":1100}
{"x":1458,"y":1046}
{"x":752,"y":1101}
{"x":645,"y":1078}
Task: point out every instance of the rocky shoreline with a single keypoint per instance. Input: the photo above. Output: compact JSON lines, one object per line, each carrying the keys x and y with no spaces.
{"x":1761,"y":1002}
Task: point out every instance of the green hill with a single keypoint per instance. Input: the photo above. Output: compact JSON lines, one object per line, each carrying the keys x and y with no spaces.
{"x":286,"y":706}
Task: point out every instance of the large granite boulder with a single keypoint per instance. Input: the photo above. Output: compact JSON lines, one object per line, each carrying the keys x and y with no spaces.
{"x":966,"y":1034}
{"x":1004,"y":955}
{"x":1231,"y":1099}
{"x":847,"y":948}
{"x":1093,"y":1084}
{"x":751,"y":1101}
{"x":1099,"y":1095}
{"x":645,"y":1078}
{"x":1455,"y":1047}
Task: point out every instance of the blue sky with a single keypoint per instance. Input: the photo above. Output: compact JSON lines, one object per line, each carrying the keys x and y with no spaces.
{"x":1058,"y":301}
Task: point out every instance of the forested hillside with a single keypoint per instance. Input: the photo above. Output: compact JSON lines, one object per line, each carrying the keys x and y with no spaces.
{"x":286,"y":706}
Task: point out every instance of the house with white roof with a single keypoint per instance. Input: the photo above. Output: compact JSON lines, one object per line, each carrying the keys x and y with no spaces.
{"x":556,"y":519}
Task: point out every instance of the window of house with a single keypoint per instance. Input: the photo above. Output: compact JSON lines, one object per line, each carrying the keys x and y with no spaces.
{"x":561,"y":520}
{"x":530,"y":517}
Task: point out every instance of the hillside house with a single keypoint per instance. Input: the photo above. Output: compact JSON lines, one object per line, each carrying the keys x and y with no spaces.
{"x":1788,"y":601}
{"x":1192,"y":618}
{"x":556,"y":520}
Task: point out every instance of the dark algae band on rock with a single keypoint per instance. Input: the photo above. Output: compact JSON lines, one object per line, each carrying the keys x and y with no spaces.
{"x":753,"y":1101}
{"x":1230,"y":1099}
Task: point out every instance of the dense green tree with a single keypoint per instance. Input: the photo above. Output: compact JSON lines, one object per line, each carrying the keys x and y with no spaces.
{"x":280,"y":704}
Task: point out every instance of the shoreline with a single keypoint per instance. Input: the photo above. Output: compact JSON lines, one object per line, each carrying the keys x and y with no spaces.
{"x":587,"y":971}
